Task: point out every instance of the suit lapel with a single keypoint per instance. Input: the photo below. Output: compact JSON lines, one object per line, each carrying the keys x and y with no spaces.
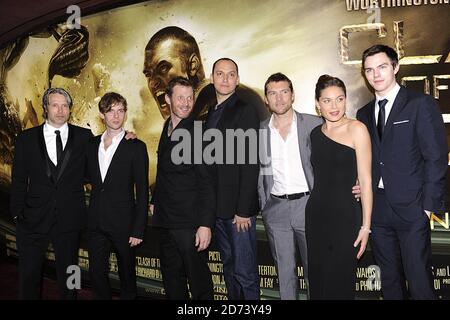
{"x":116,"y":156}
{"x":397,"y":107}
{"x":269,"y":145}
{"x":164,"y":140}
{"x":94,"y":151}
{"x":266,"y":158}
{"x":303,"y":145}
{"x":67,"y":153}
{"x":44,"y":154}
{"x":229,"y":112}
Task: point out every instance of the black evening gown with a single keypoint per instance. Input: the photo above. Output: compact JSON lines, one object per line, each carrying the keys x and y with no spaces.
{"x":333,"y":220}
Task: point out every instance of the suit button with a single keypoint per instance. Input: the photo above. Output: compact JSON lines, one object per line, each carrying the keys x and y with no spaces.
{"x":381,"y":164}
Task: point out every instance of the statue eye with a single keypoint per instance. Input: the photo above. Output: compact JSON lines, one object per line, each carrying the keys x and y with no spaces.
{"x":164,"y":68}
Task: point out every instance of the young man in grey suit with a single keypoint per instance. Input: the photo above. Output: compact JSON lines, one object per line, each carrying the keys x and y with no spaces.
{"x":286,"y":178}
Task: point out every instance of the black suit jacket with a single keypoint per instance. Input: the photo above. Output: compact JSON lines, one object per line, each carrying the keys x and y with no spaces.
{"x":412,"y":156}
{"x":207,"y":97}
{"x":184,"y":195}
{"x":237,"y":184}
{"x":40,"y":194}
{"x":119,"y":204}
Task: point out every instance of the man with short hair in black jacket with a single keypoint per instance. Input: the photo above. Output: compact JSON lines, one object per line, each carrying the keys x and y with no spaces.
{"x":183,"y":202}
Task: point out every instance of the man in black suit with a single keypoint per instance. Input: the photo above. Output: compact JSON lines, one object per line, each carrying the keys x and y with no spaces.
{"x":409,"y":165}
{"x":47,"y":195}
{"x":183,"y":203}
{"x":117,"y":214}
{"x":236,"y":183}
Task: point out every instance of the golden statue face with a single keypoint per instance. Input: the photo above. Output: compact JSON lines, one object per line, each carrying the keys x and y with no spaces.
{"x":162,"y":64}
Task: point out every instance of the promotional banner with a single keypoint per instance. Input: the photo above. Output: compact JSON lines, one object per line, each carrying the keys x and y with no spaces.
{"x":118,"y":50}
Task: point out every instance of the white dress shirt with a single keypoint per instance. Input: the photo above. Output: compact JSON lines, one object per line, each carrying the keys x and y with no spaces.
{"x":288,"y":175}
{"x":50,"y":139}
{"x":105,"y":156}
{"x":391,"y":95}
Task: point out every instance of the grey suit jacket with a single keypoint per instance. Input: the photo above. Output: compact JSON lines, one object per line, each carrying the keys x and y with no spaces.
{"x":305,"y":124}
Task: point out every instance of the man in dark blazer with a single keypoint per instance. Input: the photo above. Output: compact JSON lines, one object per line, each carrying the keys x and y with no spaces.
{"x":236,"y":183}
{"x":117,"y":214}
{"x":183,"y":202}
{"x":409,"y":164}
{"x":47,"y":195}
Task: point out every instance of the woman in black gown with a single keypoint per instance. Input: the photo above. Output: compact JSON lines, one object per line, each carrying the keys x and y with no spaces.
{"x":336,"y":231}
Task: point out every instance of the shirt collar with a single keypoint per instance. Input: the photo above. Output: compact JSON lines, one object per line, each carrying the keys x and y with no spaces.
{"x":116,"y":138}
{"x":390,"y":96}
{"x":227,"y":102}
{"x":293,"y":124}
{"x":63,"y":129}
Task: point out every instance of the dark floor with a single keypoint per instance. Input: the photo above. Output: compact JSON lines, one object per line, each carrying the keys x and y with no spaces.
{"x":9,"y":281}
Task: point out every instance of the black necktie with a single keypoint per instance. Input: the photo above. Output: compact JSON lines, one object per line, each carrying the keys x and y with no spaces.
{"x":381,"y":117}
{"x":59,"y":146}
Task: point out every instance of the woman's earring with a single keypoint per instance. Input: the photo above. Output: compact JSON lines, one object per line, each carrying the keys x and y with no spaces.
{"x":318,"y":111}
